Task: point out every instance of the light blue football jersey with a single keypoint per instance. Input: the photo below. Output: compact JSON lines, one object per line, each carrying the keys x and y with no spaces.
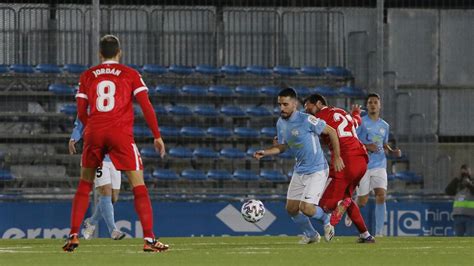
{"x":300,"y":132}
{"x":77,"y":135}
{"x":374,"y":132}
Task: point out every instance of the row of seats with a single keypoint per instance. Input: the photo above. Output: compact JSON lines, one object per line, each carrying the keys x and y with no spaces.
{"x":225,"y":91}
{"x":208,"y":153}
{"x":216,"y":132}
{"x":233,"y":70}
{"x":199,"y":175}
{"x":406,"y":176}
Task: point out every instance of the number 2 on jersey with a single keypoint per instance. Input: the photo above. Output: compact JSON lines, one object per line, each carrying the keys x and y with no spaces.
{"x":105,"y":100}
{"x":344,"y":122}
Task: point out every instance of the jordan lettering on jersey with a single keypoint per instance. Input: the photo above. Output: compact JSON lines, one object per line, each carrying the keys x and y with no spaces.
{"x":102,"y":71}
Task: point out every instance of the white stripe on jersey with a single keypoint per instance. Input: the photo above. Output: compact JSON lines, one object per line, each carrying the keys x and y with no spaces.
{"x":315,"y":146}
{"x":82,"y":95}
{"x":135,"y":150}
{"x":137,"y":90}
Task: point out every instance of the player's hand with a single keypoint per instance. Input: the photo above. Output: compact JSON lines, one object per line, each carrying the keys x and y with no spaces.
{"x":397,"y":153}
{"x":259,"y":154}
{"x":275,"y":141}
{"x":372,"y":147}
{"x":355,"y":108}
{"x":72,"y":146}
{"x":160,"y":146}
{"x":338,"y":164}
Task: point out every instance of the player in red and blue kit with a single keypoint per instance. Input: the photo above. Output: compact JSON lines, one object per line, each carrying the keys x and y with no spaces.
{"x":107,"y":90}
{"x":337,"y":197}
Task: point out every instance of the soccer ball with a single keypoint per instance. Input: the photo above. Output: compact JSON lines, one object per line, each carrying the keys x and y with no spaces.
{"x":252,"y":211}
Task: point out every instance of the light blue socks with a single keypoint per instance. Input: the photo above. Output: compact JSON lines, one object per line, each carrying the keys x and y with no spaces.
{"x":304,"y":224}
{"x":380,"y":210}
{"x":107,"y":211}
{"x":321,"y":215}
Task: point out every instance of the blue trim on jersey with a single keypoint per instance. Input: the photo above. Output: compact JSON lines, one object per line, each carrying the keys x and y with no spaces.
{"x":300,"y":132}
{"x":77,"y":135}
{"x":374,"y":132}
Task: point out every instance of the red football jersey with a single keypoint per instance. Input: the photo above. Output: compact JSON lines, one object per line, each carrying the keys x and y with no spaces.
{"x":345,"y":126}
{"x":109,"y":89}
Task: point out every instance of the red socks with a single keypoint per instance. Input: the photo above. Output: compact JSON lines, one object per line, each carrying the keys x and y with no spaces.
{"x":143,"y":208}
{"x":80,"y":204}
{"x":354,"y":213}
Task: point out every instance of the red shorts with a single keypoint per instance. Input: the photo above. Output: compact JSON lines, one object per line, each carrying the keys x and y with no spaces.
{"x":343,"y":183}
{"x":119,"y":145}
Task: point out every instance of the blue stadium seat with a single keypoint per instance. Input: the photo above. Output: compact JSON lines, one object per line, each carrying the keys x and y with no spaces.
{"x":167,"y":131}
{"x":276,"y":110}
{"x":149,"y":152}
{"x":221,"y":90}
{"x":74,"y":68}
{"x":69,"y":109}
{"x":6,"y":175}
{"x":326,"y":91}
{"x":165,"y":174}
{"x":160,"y":110}
{"x":166,"y":90}
{"x":204,"y":152}
{"x":206,"y":110}
{"x":247,"y":90}
{"x":219,"y":132}
{"x":192,"y":174}
{"x":302,"y":91}
{"x":141,"y":131}
{"x":268,"y":132}
{"x":312,"y":71}
{"x":180,"y":110}
{"x":207,"y":70}
{"x":232,"y":70}
{"x":22,"y":68}
{"x":180,"y":152}
{"x":270,"y":90}
{"x":137,"y":110}
{"x":245,"y":175}
{"x":232,"y":153}
{"x":273,"y":175}
{"x":135,"y":66}
{"x":181,"y":70}
{"x":4,"y":69}
{"x":259,"y":70}
{"x":192,"y":132}
{"x":285,"y":70}
{"x":154,"y":69}
{"x":350,"y":91}
{"x":246,"y":132}
{"x":147,"y":176}
{"x":48,"y":68}
{"x":391,"y":178}
{"x":338,"y":71}
{"x":232,"y":110}
{"x":194,"y":90}
{"x":409,"y":177}
{"x":219,"y":175}
{"x":61,"y":89}
{"x":258,"y":111}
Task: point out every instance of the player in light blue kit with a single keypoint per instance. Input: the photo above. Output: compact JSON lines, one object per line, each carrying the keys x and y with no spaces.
{"x":107,"y":182}
{"x":373,"y":133}
{"x":298,"y":132}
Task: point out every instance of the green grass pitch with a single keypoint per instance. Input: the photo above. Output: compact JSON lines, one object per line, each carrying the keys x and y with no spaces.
{"x":244,"y":251}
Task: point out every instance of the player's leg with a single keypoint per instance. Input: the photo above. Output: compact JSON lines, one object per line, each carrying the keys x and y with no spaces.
{"x":104,"y":188}
{"x":295,"y":190}
{"x":363,"y":189}
{"x":106,"y":202}
{"x":80,"y":204}
{"x":459,"y":225}
{"x":315,"y":184}
{"x":379,"y":183}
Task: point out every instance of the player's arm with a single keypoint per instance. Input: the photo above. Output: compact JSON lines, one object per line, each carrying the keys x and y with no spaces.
{"x":274,"y":150}
{"x":82,"y":101}
{"x":141,"y":94}
{"x":395,"y":152}
{"x":338,"y":162}
{"x":355,"y":113}
{"x":75,"y":136}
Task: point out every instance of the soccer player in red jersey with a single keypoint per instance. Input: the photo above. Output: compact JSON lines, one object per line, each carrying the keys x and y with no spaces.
{"x":338,"y":195}
{"x":107,"y":90}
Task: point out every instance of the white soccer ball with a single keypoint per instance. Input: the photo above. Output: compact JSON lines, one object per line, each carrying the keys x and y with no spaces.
{"x":253,"y":210}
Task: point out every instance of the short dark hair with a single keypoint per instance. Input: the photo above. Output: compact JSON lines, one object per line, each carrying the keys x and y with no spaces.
{"x":109,"y":46}
{"x":287,"y":92}
{"x":372,"y":95}
{"x":314,"y":98}
{"x":464,"y":166}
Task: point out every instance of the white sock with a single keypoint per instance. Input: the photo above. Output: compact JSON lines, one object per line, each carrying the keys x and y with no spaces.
{"x":365,"y":234}
{"x":148,"y":239}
